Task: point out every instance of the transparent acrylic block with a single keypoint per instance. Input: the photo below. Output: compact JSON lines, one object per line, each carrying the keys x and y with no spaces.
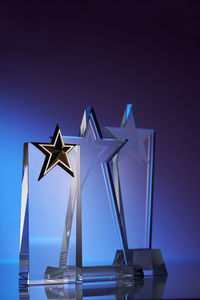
{"x":43,"y":217}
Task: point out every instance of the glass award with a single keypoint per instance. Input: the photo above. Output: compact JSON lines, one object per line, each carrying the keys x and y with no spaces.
{"x":43,"y":212}
{"x":132,"y":174}
{"x":79,"y":222}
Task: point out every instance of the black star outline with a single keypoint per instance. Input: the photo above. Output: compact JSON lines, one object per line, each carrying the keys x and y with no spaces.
{"x":56,"y":154}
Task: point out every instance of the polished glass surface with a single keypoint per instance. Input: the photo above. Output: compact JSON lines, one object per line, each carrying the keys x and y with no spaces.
{"x":182,"y":282}
{"x":44,"y":220}
{"x":132,"y":171}
{"x":101,"y":235}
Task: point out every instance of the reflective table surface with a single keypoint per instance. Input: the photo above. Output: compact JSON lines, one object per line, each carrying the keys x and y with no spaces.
{"x":183,"y":281}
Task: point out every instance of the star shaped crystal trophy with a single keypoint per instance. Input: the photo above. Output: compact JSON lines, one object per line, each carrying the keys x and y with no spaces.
{"x":132,"y":173}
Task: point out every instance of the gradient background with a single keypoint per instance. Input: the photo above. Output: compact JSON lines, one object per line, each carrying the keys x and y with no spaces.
{"x":58,"y":57}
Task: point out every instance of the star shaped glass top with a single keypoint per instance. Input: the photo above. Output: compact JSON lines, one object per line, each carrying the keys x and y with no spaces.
{"x":99,"y":211}
{"x":56,"y":154}
{"x":135,"y":137}
{"x":95,"y":150}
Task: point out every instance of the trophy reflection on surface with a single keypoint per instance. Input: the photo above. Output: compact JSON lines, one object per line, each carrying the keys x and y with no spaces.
{"x":88,"y":215}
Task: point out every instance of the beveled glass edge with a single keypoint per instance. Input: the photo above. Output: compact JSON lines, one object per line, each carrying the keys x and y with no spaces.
{"x":24,"y":221}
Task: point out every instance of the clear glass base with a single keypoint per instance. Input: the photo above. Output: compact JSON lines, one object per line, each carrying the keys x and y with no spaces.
{"x":70,"y":274}
{"x":148,"y":288}
{"x":149,"y":260}
{"x":140,"y":263}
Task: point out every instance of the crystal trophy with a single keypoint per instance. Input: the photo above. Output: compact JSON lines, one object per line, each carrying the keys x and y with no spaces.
{"x":74,"y":215}
{"x":44,"y":205}
{"x":132,"y":173}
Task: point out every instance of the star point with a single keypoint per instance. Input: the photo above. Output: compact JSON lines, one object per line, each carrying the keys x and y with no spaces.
{"x":135,"y":137}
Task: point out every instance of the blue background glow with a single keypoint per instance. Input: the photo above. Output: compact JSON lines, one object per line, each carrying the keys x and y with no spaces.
{"x":55,"y":61}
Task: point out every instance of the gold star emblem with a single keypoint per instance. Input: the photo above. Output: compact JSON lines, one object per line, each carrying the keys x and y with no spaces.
{"x":56,"y":154}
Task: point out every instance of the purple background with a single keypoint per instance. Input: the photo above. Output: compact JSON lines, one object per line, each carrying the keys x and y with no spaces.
{"x":58,"y":57}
